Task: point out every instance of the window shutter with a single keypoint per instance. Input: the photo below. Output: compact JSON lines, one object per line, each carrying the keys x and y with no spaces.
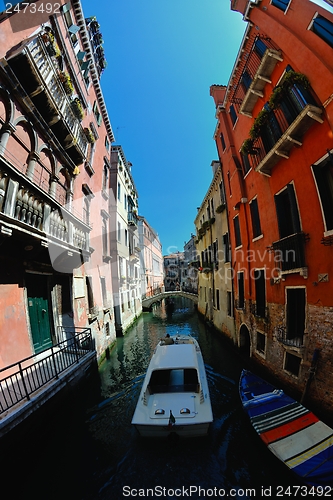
{"x":294,"y":209}
{"x":73,"y":29}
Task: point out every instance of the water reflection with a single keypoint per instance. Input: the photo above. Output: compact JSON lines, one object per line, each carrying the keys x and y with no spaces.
{"x":231,"y":457}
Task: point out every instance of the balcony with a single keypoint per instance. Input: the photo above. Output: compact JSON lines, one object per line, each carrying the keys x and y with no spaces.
{"x":290,"y":252}
{"x":26,"y":385}
{"x":39,"y":225}
{"x":38,"y":73}
{"x":132,"y":219}
{"x":287,"y":338}
{"x":260,"y":78}
{"x":259,"y":58}
{"x":283,"y":128}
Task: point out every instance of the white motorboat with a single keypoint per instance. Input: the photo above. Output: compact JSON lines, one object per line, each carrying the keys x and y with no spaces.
{"x":174,"y":397}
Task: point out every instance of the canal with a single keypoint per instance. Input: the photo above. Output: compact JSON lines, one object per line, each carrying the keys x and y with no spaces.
{"x":87,"y":449}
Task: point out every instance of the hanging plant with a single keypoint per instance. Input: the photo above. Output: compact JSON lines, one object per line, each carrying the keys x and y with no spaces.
{"x":259,"y":122}
{"x":277,"y":96}
{"x":77,"y":108}
{"x":66,"y":82}
{"x":292,"y":77}
{"x":89,"y":135}
{"x":247,"y":147}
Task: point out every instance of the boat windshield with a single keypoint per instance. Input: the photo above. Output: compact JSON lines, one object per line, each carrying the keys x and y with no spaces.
{"x":174,"y":380}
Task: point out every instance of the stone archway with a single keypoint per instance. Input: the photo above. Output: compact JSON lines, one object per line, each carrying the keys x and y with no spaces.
{"x":245,"y":340}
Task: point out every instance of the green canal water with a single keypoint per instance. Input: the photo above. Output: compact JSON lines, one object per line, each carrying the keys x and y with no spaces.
{"x":87,"y":449}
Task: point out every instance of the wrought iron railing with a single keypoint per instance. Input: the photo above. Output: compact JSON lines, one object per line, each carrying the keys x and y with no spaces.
{"x":295,"y":100}
{"x":250,"y":63}
{"x":21,"y":380}
{"x":286,"y":337}
{"x":290,"y":251}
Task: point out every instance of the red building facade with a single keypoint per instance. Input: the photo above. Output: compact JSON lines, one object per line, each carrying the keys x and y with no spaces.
{"x":275,"y":143}
{"x":55,"y":144}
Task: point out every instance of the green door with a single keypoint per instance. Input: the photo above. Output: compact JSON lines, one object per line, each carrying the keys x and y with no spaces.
{"x":38,"y":306}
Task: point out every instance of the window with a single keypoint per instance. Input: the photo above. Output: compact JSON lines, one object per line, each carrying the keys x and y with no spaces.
{"x":226,"y":247}
{"x":260,"y":288}
{"x":281,"y":4}
{"x":222,"y":142}
{"x":90,"y":294}
{"x":246,"y":163}
{"x":105,"y":183}
{"x":126,"y":237}
{"x":119,"y":191}
{"x":119,"y":232}
{"x":107,"y":143}
{"x":72,"y":29}
{"x":246,"y":80}
{"x":104,"y":293}
{"x":229,"y":304}
{"x":261,"y":342}
{"x":292,"y":364}
{"x":121,"y":267}
{"x":218,"y":300}
{"x":238,"y":240}
{"x":86,"y":210}
{"x":229,"y":183}
{"x":212,"y":207}
{"x":222,"y":194}
{"x":256,"y":229}
{"x":105,"y":237}
{"x":97,"y":114}
{"x":240,"y":284}
{"x":215,"y":254}
{"x":295,"y":316}
{"x":233,"y":114}
{"x":323,"y":28}
{"x":324,"y":179}
{"x":287,"y":212}
{"x":125,"y":201}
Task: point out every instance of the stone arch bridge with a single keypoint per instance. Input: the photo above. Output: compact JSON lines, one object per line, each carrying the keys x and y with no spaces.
{"x":149,"y":301}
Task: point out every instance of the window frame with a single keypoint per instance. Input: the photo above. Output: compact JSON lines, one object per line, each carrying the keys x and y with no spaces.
{"x":279,"y":4}
{"x":255,"y":218}
{"x":324,"y":195}
{"x":237,"y":232}
{"x":313,"y":27}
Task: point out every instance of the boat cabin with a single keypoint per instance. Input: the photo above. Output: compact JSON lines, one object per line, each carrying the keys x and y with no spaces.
{"x":174,"y":380}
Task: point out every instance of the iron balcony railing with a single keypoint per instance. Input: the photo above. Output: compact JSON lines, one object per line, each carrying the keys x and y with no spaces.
{"x":290,"y":251}
{"x":259,"y":59}
{"x":31,"y":62}
{"x":19,"y":381}
{"x":287,"y":338}
{"x":284,"y":128}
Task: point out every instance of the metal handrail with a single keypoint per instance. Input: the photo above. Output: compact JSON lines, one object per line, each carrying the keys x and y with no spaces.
{"x":20,"y":380}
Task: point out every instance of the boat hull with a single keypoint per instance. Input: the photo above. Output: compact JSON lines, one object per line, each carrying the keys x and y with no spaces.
{"x":183,"y":431}
{"x":289,"y":430}
{"x":174,"y":398}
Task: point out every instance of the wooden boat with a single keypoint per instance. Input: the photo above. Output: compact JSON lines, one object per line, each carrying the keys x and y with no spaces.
{"x":174,"y":397}
{"x":290,"y":431}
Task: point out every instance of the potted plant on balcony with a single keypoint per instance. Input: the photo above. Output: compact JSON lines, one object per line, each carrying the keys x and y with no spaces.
{"x":258,"y":123}
{"x":77,"y":108}
{"x":89,"y":135}
{"x":291,"y":78}
{"x":66,"y":82}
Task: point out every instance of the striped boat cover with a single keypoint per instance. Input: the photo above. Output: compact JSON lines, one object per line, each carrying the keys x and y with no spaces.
{"x":290,"y":431}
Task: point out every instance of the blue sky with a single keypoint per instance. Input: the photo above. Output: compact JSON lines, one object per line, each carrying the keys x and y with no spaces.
{"x":162,"y":56}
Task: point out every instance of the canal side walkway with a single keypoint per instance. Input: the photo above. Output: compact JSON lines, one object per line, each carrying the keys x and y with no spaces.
{"x":29,"y":384}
